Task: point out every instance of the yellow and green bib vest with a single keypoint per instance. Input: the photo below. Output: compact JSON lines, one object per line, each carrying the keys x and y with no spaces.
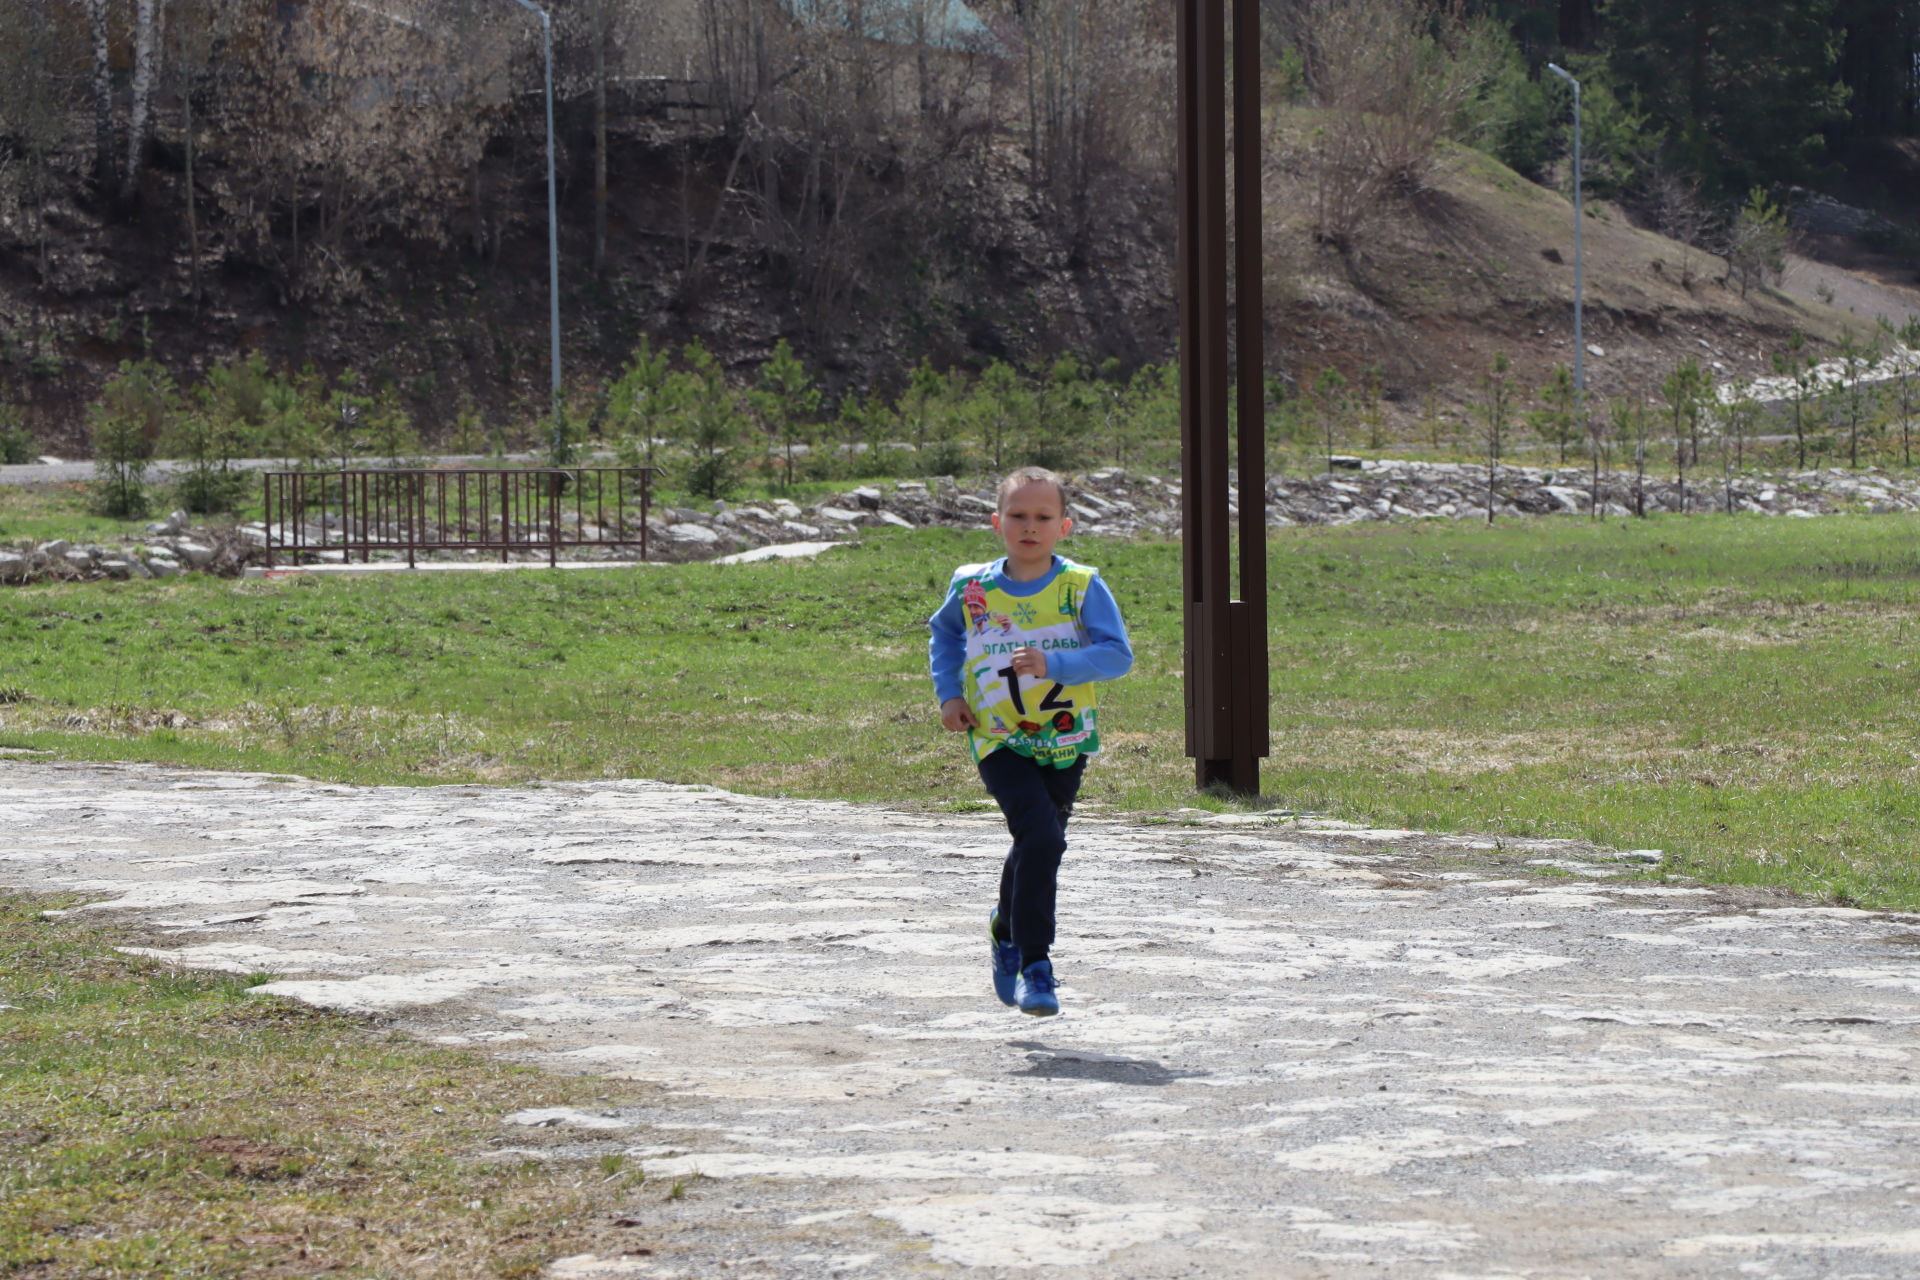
{"x":1041,"y":718}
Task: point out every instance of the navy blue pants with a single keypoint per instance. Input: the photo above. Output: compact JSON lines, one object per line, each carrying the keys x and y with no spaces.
{"x":1037,"y":801}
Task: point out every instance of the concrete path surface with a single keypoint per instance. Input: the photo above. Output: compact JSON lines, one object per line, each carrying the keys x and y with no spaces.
{"x":1289,"y":1049}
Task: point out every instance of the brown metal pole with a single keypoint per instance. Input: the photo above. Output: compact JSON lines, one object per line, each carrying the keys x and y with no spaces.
{"x":1226,"y":669}
{"x":1250,"y":697}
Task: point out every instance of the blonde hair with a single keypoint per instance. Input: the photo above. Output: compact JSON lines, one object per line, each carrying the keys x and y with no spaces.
{"x":1030,"y":475}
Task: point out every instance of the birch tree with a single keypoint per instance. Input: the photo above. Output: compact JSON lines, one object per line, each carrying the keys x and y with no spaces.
{"x":100,"y":83}
{"x":38,"y":56}
{"x":139,"y":114}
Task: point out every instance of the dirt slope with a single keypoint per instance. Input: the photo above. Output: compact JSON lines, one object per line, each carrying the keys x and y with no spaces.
{"x":1480,"y":262}
{"x":1484,"y":262}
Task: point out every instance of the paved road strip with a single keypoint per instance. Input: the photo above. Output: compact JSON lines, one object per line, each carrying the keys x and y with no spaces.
{"x":1288,"y":1049}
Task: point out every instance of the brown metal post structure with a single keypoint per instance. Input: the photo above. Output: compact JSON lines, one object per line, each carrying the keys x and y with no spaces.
{"x":1226,"y":650}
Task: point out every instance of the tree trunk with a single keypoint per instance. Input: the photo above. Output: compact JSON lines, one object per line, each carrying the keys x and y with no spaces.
{"x":599,"y":137}
{"x":193,"y":221}
{"x":1576,"y":23}
{"x":102,"y":96}
{"x":1702,"y":42}
{"x":143,"y":69}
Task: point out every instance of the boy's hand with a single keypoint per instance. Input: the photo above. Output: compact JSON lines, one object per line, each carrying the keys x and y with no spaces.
{"x":956,"y":716}
{"x":1030,"y":662}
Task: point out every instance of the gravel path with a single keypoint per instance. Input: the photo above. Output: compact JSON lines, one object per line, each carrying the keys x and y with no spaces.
{"x":1289,"y":1049}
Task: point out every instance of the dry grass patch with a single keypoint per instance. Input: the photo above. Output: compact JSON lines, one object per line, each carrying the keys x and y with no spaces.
{"x":154,"y":1123}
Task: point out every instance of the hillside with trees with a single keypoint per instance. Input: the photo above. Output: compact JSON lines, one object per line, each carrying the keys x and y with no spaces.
{"x":346,"y":189}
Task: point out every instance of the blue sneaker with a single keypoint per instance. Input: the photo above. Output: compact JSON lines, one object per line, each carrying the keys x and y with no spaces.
{"x":1006,"y":961}
{"x":1034,"y":992}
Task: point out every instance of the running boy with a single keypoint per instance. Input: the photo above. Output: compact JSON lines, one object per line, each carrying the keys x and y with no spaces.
{"x":1017,"y":646}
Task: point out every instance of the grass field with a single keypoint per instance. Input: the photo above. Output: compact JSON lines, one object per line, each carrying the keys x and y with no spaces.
{"x":157,"y":1124}
{"x":1738,"y":692}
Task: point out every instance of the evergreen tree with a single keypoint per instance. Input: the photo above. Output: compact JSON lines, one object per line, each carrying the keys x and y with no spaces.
{"x":711,"y":423}
{"x":639,"y":404}
{"x":786,"y":401}
{"x":136,"y":408}
{"x":1744,"y":86}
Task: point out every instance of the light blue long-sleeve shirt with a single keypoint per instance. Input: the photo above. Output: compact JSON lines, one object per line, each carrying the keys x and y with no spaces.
{"x":1106,"y":655}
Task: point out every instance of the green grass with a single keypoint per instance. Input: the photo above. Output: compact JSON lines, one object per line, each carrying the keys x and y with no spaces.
{"x":155,"y":1123}
{"x":1734,"y":691}
{"x":41,"y":513}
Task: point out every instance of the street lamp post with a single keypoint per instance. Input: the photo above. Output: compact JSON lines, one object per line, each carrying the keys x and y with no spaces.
{"x":1579,"y":262}
{"x":553,"y":231}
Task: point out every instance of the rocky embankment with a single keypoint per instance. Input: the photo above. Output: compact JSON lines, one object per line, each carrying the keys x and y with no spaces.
{"x":1109,"y":502}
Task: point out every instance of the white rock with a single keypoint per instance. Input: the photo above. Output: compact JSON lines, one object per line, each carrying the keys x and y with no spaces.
{"x":1568,"y":499}
{"x":161,"y":567}
{"x":887,"y":517}
{"x":972,"y":503}
{"x":697,"y":533}
{"x":786,"y":510}
{"x":779,"y":551}
{"x":194,"y":553}
{"x":13,"y":565}
{"x":57,"y":549}
{"x":551,"y":1117}
{"x":840,"y":514}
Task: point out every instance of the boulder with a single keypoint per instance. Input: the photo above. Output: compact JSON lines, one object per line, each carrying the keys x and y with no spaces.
{"x":13,"y":566}
{"x":194,"y":553}
{"x":687,"y":531}
{"x":869,"y":498}
{"x":838,"y":514}
{"x":55,"y":550}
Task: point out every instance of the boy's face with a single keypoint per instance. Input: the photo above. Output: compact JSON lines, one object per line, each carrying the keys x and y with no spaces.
{"x":1030,"y":521}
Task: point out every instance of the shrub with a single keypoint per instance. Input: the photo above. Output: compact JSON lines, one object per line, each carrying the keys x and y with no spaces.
{"x":136,"y":408}
{"x":639,"y":404}
{"x":711,"y":424}
{"x":786,"y":400}
{"x":1757,"y":241}
{"x":16,"y":442}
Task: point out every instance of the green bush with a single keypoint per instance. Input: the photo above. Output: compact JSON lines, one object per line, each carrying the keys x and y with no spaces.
{"x":711,"y":425}
{"x":16,"y":442}
{"x":229,"y":419}
{"x":136,"y":408}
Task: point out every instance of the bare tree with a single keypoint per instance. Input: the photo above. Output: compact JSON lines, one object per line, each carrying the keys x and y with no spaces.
{"x":139,"y":117}
{"x":1391,"y":77}
{"x":599,"y":36}
{"x":1496,"y":411}
{"x":1096,"y":75}
{"x":101,"y":85}
{"x":357,"y":123}
{"x":39,"y":53}
{"x":1680,"y":214}
{"x":192,"y":30}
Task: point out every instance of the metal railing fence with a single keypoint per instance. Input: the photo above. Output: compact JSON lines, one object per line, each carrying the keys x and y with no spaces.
{"x":412,"y":512}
